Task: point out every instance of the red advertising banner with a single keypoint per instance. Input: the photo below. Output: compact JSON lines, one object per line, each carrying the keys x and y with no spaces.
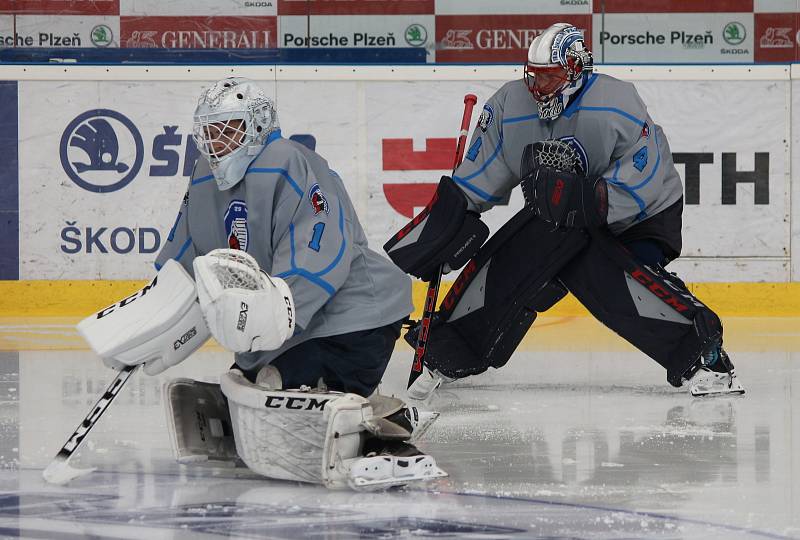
{"x":356,"y":7}
{"x":674,"y":6}
{"x":777,"y":37}
{"x":199,"y":32}
{"x":399,"y":155}
{"x":495,"y":38}
{"x":60,"y":7}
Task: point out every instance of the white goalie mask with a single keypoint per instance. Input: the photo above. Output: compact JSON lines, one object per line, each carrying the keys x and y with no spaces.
{"x":557,"y":67}
{"x":232,"y":121}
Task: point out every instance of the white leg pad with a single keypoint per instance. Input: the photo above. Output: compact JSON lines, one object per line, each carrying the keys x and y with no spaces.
{"x":295,"y":435}
{"x":313,"y":437}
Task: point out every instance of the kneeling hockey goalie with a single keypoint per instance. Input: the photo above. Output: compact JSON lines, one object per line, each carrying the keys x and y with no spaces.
{"x":267,"y":256}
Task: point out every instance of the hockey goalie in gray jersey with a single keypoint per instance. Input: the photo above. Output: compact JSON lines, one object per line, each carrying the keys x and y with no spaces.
{"x":268,"y":238}
{"x":602,"y":219}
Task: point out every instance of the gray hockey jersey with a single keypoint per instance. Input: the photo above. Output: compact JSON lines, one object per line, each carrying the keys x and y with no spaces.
{"x":609,"y":127}
{"x":292,"y":214}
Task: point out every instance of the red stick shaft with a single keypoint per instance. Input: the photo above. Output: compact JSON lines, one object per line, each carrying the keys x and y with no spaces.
{"x":469,"y":102}
{"x":433,"y":287}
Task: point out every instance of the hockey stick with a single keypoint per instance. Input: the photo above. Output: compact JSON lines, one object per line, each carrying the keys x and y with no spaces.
{"x":433,"y":287}
{"x":59,"y":470}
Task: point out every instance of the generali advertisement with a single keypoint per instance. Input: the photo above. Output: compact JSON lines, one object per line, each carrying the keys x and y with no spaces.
{"x":494,"y":38}
{"x":777,"y":37}
{"x":104,"y":165}
{"x":217,"y":32}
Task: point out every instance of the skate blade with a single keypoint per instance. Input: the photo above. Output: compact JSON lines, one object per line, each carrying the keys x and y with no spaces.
{"x":722,"y":392}
{"x":734,"y":389}
{"x":378,"y":472}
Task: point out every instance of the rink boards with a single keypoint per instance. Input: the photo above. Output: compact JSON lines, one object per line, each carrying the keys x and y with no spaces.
{"x":78,"y":229}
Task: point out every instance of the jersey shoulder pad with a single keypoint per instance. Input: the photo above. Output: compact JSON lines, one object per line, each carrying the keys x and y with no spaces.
{"x":511,"y":91}
{"x":609,"y":91}
{"x":278,"y":153}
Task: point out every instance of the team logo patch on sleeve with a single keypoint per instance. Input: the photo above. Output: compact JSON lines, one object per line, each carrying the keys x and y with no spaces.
{"x":486,"y":118}
{"x":236,"y":225}
{"x":318,"y":201}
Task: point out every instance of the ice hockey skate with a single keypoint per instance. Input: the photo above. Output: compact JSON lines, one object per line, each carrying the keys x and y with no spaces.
{"x":715,"y":375}
{"x":426,"y":384}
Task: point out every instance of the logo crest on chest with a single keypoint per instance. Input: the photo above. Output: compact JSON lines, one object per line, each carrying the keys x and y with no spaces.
{"x":236,"y":225}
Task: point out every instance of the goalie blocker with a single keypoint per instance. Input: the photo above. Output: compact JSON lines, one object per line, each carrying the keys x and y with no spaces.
{"x":443,"y":233}
{"x":298,"y":435}
{"x":158,"y":326}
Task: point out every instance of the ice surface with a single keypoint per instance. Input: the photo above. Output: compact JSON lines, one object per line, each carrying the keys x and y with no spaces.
{"x":579,"y":436}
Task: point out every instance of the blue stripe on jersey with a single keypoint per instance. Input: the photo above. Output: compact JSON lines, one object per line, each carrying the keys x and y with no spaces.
{"x":302,"y":272}
{"x":180,"y":254}
{"x":324,"y":285}
{"x":516,"y":119}
{"x":341,"y":248}
{"x":272,"y":136}
{"x":202,"y":179}
{"x":171,"y":235}
{"x":615,"y":111}
{"x":282,"y":172}
{"x":479,"y":192}
{"x":630,"y":191}
{"x":315,"y":277}
{"x":184,"y":247}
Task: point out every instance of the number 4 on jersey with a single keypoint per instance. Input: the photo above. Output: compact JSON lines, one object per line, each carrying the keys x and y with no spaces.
{"x":640,"y":159}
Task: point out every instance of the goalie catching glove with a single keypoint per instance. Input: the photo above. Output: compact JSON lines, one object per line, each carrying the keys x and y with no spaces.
{"x":245,"y":309}
{"x":556,"y":188}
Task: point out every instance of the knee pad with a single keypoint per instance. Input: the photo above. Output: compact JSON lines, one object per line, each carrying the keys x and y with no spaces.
{"x":497,"y":296}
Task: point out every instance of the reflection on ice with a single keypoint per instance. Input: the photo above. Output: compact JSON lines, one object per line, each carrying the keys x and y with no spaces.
{"x":558,"y":444}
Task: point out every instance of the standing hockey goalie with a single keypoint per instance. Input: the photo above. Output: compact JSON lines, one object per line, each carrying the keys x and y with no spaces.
{"x":268,"y":238}
{"x":602,"y":219}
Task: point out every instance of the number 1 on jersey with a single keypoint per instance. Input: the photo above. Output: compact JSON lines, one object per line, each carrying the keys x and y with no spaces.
{"x":319,"y":228}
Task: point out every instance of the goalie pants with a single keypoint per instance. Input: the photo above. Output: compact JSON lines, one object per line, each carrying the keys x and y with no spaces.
{"x":352,"y":362}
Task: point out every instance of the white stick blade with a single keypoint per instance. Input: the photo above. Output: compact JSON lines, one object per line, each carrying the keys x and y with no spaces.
{"x":60,"y":472}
